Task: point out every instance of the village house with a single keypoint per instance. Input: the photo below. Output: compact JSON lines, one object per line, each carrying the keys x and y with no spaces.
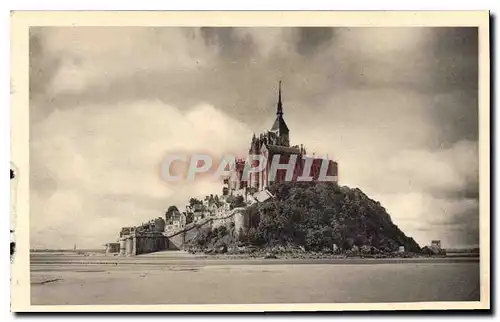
{"x":177,"y":221}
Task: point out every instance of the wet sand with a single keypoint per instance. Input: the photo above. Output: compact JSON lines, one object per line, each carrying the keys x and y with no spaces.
{"x":192,"y":281}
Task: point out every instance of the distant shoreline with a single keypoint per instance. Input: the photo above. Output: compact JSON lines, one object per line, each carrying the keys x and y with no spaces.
{"x":448,"y":254}
{"x":69,"y":258}
{"x":89,"y":250}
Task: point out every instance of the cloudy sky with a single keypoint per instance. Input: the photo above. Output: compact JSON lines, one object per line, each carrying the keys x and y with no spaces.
{"x":396,"y":107}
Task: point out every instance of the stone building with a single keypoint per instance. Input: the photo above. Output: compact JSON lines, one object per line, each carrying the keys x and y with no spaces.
{"x":177,"y":221}
{"x":436,"y":245}
{"x":146,"y":238}
{"x":224,"y":210}
{"x":112,"y":248}
{"x":275,"y":143}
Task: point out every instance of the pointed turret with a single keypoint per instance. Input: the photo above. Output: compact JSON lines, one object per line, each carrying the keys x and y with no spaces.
{"x":279,"y":127}
{"x":279,"y":111}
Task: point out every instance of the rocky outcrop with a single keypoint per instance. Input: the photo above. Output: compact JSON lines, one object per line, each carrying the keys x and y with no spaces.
{"x":318,"y":217}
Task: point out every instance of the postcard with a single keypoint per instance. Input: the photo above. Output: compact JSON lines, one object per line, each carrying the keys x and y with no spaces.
{"x":250,"y":161}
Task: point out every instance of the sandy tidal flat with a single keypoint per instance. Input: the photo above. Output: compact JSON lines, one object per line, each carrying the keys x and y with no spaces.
{"x":238,"y":284}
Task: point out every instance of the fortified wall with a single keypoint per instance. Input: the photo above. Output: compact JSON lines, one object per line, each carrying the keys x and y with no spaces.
{"x":146,"y":238}
{"x":143,"y":243}
{"x":137,"y":241}
{"x":214,"y":211}
{"x":178,"y":239}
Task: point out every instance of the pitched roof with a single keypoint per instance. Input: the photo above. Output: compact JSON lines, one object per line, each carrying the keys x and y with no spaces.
{"x":275,"y":149}
{"x":279,"y":125}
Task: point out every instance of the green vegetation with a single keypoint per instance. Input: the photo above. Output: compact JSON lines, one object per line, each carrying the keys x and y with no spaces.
{"x":320,"y":217}
{"x":214,"y":240}
{"x":236,"y":201}
{"x":193,"y":202}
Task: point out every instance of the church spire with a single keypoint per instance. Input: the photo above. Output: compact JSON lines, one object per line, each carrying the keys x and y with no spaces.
{"x":279,"y":127}
{"x":279,"y":111}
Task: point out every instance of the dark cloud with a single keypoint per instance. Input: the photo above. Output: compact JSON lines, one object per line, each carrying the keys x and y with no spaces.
{"x":42,"y":65}
{"x":367,"y":94}
{"x":230,"y":45}
{"x":469,"y":192}
{"x":311,"y":39}
{"x":456,"y":113}
{"x":456,"y":41}
{"x":455,"y":79}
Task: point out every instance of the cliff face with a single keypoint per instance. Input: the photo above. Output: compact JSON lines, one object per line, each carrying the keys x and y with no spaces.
{"x":321,"y":216}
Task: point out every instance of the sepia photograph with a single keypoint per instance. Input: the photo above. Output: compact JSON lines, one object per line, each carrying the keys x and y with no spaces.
{"x":250,"y":161}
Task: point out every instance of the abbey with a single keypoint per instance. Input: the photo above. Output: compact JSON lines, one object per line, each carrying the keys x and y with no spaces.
{"x":275,"y":145}
{"x":281,"y":162}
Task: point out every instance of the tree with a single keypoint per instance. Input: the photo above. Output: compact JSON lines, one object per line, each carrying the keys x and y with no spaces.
{"x":236,"y":201}
{"x":318,"y":216}
{"x":252,"y":212}
{"x":194,"y":201}
{"x":255,"y":237}
{"x":218,"y":203}
{"x":189,"y":218}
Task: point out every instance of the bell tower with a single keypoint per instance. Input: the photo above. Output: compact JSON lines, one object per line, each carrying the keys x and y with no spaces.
{"x":279,"y":127}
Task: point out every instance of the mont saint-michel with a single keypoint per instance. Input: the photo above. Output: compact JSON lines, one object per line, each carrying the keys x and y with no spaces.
{"x":251,"y":165}
{"x":270,"y":207}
